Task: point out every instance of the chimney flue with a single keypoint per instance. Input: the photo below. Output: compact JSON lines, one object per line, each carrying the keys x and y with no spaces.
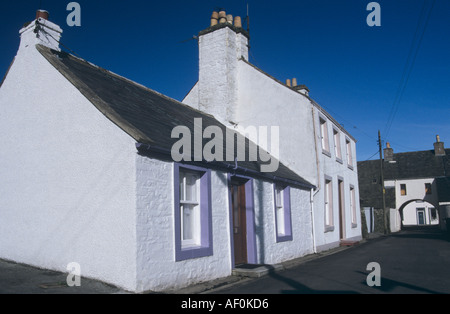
{"x":238,"y":22}
{"x":222,"y":17}
{"x":230,"y":19}
{"x":214,"y":18}
{"x":42,"y":14}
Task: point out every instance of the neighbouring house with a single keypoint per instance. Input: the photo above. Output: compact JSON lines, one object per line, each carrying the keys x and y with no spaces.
{"x":312,"y":143}
{"x":149,"y":193}
{"x":417,"y":187}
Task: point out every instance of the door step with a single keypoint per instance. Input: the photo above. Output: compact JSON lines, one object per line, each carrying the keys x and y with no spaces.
{"x":256,"y":271}
{"x":348,"y":243}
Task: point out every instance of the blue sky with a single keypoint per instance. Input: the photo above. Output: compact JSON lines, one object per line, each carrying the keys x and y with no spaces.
{"x":356,"y":72}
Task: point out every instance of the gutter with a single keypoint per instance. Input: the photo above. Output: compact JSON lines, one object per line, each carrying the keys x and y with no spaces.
{"x":230,"y":168}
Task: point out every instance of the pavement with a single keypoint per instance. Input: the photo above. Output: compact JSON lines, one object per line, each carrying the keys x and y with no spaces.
{"x":24,"y":279}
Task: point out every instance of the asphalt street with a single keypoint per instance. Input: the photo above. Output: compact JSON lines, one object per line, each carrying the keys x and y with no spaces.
{"x":415,"y":261}
{"x":411,"y":262}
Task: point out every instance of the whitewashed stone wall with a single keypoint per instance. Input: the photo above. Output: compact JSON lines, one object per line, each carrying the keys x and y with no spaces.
{"x":268,"y":250}
{"x":67,"y":177}
{"x":330,"y":167}
{"x":157,"y":269}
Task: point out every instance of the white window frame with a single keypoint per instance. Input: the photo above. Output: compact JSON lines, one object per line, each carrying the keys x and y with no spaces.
{"x":279,"y":208}
{"x":195,"y":204}
{"x":349,"y":150}
{"x":337,"y":144}
{"x":324,"y":135}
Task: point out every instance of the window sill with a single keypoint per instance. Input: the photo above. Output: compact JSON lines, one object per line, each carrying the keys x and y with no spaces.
{"x":193,"y":252}
{"x":284,"y":238}
{"x":350,"y":167}
{"x":339,"y":160}
{"x":326,"y":153}
{"x":329,"y":229}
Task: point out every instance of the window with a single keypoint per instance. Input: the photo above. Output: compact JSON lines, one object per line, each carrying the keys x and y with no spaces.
{"x":402,"y":189}
{"x":193,"y":231}
{"x":433,"y":214}
{"x":190,"y":208}
{"x":353,"y":206}
{"x":428,"y":188}
{"x":348,"y":145}
{"x":283,"y":225}
{"x":324,"y":136}
{"x":337,"y":144}
{"x":328,"y":205}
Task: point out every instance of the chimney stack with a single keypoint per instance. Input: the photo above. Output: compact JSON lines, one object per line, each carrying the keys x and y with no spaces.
{"x":439,"y":147}
{"x":388,"y":153}
{"x":221,"y":48}
{"x":40,"y":32}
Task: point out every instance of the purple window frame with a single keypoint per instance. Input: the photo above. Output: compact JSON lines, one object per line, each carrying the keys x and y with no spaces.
{"x":206,"y":241}
{"x":286,"y":190}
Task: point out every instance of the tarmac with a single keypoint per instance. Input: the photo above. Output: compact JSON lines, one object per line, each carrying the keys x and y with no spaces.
{"x":24,"y":279}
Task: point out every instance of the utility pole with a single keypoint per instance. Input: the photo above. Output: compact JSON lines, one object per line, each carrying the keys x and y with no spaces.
{"x":383,"y":189}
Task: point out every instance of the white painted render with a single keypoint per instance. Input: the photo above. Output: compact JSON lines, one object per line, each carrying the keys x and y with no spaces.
{"x":264,"y":101}
{"x":336,"y":169}
{"x":268,"y":250}
{"x":156,"y":266}
{"x":67,"y":177}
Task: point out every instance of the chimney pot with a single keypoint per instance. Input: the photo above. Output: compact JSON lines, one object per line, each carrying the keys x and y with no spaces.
{"x":222,"y":14}
{"x":288,"y":82}
{"x":42,"y":14}
{"x":215,"y":15}
{"x":438,"y":139}
{"x":238,"y":22}
{"x":230,"y":19}
{"x":294,"y":82}
{"x":388,"y":145}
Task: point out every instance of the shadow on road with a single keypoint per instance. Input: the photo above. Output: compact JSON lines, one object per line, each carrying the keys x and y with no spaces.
{"x":422,"y":232}
{"x":299,"y":288}
{"x":388,"y":285}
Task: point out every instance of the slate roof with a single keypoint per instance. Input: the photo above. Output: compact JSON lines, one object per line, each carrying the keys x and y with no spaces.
{"x":410,"y":165}
{"x":443,"y":189}
{"x":147,"y":116}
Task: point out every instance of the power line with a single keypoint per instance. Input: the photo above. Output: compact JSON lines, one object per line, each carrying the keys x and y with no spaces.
{"x":408,"y":67}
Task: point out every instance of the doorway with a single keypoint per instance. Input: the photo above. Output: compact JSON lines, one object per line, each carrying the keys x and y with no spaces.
{"x":421,"y":216}
{"x":239,"y":221}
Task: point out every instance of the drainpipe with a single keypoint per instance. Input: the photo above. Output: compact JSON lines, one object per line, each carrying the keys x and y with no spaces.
{"x":313,"y":194}
{"x":312,"y":221}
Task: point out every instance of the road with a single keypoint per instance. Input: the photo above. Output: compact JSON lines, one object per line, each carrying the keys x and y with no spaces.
{"x":416,"y":261}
